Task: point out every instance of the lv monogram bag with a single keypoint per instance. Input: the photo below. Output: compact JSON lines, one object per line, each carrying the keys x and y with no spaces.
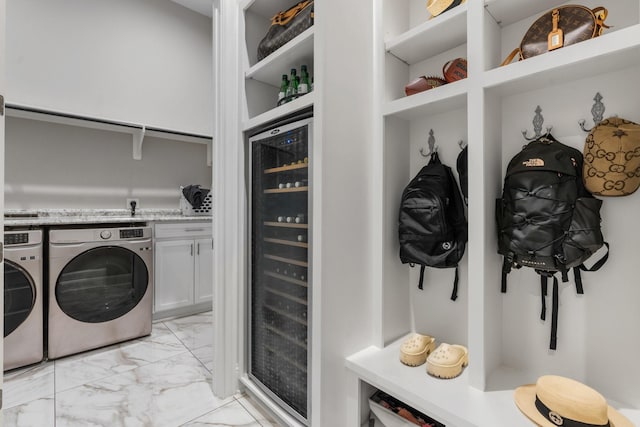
{"x":285,"y":26}
{"x":562,"y":26}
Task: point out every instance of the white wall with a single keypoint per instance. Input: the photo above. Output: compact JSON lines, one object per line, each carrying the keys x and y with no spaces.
{"x":143,"y":61}
{"x":58,"y":166}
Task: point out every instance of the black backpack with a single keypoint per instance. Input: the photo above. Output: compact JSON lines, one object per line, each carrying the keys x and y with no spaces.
{"x":432,"y":226}
{"x":546,"y":218}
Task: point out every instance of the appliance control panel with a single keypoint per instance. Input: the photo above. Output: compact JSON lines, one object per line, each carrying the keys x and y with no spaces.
{"x":130,"y":233}
{"x":16,"y":238}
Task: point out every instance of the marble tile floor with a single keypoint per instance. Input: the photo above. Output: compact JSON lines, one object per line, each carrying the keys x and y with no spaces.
{"x":163,"y":380}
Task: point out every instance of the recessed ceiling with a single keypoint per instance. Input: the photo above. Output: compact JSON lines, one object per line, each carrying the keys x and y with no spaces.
{"x":204,"y":7}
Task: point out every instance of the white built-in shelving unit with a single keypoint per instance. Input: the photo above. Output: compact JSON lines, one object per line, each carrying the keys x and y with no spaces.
{"x":262,"y":78}
{"x":599,"y":338}
{"x":258,"y":89}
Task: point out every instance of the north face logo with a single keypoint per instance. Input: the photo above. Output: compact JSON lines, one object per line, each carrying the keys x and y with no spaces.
{"x":533,"y":163}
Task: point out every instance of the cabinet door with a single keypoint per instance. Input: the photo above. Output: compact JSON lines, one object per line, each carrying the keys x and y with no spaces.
{"x":173,"y":274}
{"x":204,"y":270}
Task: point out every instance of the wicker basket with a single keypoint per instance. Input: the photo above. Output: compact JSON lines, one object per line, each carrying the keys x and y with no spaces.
{"x":188,"y":210}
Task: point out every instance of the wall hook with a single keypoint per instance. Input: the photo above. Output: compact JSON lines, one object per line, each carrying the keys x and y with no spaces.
{"x":538,"y":120}
{"x":597,"y":111}
{"x":431,"y":142}
{"x":461,"y":144}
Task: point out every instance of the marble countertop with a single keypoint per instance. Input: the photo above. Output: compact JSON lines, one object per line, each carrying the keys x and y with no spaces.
{"x":34,"y":217}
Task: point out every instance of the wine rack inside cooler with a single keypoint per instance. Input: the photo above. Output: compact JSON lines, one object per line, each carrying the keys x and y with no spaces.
{"x":279,"y":294}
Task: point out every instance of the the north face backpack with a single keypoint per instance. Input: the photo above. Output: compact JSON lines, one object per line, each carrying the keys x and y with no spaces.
{"x":432,"y":226}
{"x":546,"y":218}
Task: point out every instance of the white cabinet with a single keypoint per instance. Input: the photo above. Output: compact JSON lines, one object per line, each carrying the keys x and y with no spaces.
{"x":203,"y":268}
{"x":183,"y":268}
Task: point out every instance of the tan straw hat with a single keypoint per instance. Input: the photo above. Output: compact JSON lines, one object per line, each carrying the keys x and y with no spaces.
{"x":436,"y":7}
{"x":558,"y":401}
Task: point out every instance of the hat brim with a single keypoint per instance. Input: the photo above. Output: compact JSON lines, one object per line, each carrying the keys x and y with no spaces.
{"x":525,"y":397}
{"x":436,"y":7}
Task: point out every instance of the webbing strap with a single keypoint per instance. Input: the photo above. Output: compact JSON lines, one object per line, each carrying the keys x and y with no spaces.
{"x":421,"y":277}
{"x":577,"y":277}
{"x":554,"y":315}
{"x":506,"y":268}
{"x":454,"y":294}
{"x":600,"y":262}
{"x":543,"y":296}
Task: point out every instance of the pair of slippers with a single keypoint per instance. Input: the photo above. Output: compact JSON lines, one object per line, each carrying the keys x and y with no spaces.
{"x":446,"y":361}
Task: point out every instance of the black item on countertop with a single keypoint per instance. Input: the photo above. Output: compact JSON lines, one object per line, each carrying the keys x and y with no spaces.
{"x":195,"y":195}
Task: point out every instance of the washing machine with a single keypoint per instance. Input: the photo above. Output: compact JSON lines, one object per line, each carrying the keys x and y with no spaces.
{"x":100,"y":287}
{"x":23,"y":302}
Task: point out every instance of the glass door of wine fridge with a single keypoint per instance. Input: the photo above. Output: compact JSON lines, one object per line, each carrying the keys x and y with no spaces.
{"x":279,"y":294}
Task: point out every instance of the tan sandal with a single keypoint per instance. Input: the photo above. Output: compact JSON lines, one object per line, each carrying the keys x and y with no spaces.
{"x":415,"y":349}
{"x":447,"y":361}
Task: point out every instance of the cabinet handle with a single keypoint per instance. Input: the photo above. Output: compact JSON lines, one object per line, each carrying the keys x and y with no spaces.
{"x":193,"y":229}
{"x":198,"y":249}
{"x":192,"y":249}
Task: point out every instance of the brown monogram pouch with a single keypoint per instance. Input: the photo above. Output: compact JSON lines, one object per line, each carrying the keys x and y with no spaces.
{"x":562,"y":26}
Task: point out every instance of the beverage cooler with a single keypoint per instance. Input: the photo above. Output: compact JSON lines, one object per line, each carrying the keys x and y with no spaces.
{"x":279,"y":293}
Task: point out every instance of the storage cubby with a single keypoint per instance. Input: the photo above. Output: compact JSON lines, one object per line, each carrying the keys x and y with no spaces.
{"x":417,"y":46}
{"x":508,"y":343}
{"x":263,"y":78}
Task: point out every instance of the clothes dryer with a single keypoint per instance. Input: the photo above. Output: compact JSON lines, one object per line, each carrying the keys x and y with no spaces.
{"x":100,"y":287}
{"x":23,"y":301}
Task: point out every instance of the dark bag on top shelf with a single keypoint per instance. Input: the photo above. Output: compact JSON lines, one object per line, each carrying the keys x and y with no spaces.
{"x":432,"y":227}
{"x":546,"y":219}
{"x":285,"y":26}
{"x":562,"y":26}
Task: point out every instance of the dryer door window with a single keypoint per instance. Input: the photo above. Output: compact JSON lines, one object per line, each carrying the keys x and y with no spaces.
{"x":102,"y":284}
{"x":19,"y":296}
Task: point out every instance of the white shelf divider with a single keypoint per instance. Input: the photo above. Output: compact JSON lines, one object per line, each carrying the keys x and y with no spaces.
{"x":293,"y":54}
{"x":452,"y":402}
{"x":433,"y":101}
{"x":281,"y":111}
{"x":437,"y":35}
{"x":607,"y":53}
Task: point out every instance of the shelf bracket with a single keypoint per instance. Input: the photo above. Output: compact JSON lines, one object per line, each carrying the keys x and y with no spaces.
{"x":138,"y":138}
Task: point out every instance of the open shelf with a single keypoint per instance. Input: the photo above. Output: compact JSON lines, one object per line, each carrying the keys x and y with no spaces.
{"x":437,"y":35}
{"x":281,"y":111}
{"x":287,"y":296}
{"x":607,"y":53}
{"x":287,"y":168}
{"x":434,"y":101}
{"x":289,"y":260}
{"x":285,"y":224}
{"x":285,"y":357}
{"x":452,"y":401}
{"x":287,"y":242}
{"x":286,"y":190}
{"x":286,"y":278}
{"x":289,"y":316}
{"x":289,"y":338}
{"x":297,"y":52}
